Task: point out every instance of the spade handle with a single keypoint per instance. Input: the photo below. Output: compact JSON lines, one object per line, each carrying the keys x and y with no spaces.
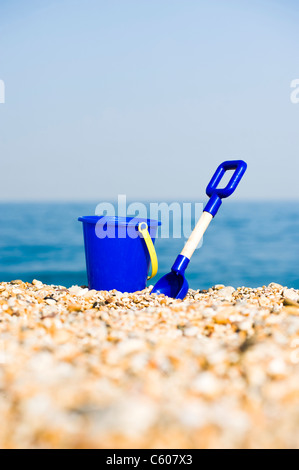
{"x":197,"y":234}
{"x":216,"y":195}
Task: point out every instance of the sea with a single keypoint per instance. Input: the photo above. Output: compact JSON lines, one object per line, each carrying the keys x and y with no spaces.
{"x":247,"y":244}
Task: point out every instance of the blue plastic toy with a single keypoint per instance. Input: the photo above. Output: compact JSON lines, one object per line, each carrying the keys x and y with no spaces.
{"x":174,"y":284}
{"x":118,"y":252}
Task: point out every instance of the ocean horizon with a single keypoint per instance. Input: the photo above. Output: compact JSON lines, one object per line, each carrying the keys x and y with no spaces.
{"x":249,"y":243}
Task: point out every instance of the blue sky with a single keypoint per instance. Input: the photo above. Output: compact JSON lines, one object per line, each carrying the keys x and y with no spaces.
{"x":146,"y":98}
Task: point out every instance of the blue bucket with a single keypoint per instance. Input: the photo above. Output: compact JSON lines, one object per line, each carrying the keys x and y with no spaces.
{"x":116,"y":254}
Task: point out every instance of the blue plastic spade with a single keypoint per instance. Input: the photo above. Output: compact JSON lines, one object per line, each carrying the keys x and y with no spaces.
{"x":174,"y":284}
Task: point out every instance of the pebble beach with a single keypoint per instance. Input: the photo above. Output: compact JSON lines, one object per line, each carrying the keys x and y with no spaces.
{"x":89,"y":369}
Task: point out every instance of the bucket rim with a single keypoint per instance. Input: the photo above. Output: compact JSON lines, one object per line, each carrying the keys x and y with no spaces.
{"x":122,"y":221}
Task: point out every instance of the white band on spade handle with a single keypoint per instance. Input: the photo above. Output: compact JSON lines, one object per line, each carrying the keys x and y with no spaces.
{"x":197,"y":234}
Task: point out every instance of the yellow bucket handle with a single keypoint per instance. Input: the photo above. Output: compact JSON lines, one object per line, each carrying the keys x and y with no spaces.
{"x":143,"y":229}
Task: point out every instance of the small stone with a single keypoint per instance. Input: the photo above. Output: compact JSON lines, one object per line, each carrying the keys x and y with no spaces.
{"x":264,"y":301}
{"x":74,"y":307}
{"x":226,"y":292}
{"x":17,"y":291}
{"x":291,"y":311}
{"x":78,"y":291}
{"x":207,"y":384}
{"x":245,"y":325}
{"x":274,"y":285}
{"x":50,"y":301}
{"x":289,"y":302}
{"x":222,"y":318}
{"x":277,"y":368}
{"x":291,"y":294}
{"x":98,"y":304}
{"x":89,"y":294}
{"x":131,"y":346}
{"x":191,"y":331}
{"x":37,"y":283}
